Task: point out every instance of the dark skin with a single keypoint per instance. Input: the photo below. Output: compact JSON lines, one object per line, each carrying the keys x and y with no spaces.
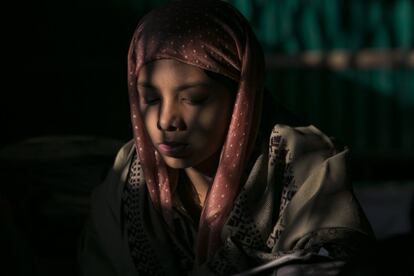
{"x":186,"y":114}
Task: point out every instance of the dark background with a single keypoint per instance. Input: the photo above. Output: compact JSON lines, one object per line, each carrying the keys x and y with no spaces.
{"x":66,"y":69}
{"x":64,"y":108}
{"x":64,"y":114}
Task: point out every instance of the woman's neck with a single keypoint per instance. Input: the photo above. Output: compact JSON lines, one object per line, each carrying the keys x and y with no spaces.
{"x":200,"y":182}
{"x":202,"y":176}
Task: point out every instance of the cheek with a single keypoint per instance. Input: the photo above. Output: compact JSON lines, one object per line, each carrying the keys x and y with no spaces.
{"x":211,"y":124}
{"x":214,"y":118}
{"x":149,"y":115}
{"x":218,"y":115}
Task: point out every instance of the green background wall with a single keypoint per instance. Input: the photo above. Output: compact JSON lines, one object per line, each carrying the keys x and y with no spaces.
{"x":369,"y":109}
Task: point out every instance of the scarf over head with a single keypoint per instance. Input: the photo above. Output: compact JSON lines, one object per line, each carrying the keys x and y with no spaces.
{"x":214,"y":36}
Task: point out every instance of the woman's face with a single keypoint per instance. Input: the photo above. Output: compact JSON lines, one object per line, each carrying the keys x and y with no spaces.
{"x":185,"y":112}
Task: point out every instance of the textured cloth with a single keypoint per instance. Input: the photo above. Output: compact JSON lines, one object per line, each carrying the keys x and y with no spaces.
{"x":213,"y":36}
{"x":295,"y":207}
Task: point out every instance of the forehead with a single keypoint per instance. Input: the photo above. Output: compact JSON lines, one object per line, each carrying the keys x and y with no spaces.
{"x":170,"y":70}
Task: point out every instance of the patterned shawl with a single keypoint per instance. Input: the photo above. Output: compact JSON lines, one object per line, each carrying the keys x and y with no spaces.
{"x":214,"y":36}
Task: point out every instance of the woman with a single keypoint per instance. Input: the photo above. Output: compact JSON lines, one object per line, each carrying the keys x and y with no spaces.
{"x":201,"y":189}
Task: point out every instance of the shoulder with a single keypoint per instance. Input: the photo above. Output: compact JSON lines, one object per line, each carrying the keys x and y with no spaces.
{"x":305,"y":154}
{"x":301,"y":137}
{"x":103,"y":250}
{"x":124,"y":156}
{"x":121,"y":164}
{"x":301,"y":143}
{"x":108,"y":194}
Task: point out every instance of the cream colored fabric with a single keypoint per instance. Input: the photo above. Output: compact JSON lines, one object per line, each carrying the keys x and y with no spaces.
{"x":296,"y":200}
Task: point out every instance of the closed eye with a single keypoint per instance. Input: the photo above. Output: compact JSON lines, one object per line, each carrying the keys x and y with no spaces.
{"x":149,"y":95}
{"x":152,"y":101}
{"x":195,"y":100}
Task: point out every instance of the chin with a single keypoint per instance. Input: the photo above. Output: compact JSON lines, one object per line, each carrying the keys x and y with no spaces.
{"x":178,"y":163}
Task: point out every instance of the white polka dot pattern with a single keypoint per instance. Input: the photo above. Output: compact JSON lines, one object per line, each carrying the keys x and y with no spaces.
{"x":214,"y":36}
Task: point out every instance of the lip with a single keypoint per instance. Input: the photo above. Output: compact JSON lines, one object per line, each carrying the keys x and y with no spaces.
{"x":173,"y":149}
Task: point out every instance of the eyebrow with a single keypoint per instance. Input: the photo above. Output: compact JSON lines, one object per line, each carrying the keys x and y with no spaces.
{"x":147,"y":84}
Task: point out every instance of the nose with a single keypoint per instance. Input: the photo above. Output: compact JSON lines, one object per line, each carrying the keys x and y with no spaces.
{"x":170,"y":118}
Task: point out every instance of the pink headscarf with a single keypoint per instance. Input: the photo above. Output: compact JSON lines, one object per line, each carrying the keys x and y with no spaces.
{"x":214,"y":36}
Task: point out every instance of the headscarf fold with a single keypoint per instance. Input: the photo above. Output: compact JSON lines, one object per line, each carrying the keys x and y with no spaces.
{"x":214,"y":36}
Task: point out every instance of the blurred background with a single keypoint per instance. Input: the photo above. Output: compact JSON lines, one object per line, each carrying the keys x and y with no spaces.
{"x":345,"y":66}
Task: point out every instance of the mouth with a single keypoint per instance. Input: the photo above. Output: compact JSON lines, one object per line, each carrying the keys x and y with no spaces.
{"x":173,"y":149}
